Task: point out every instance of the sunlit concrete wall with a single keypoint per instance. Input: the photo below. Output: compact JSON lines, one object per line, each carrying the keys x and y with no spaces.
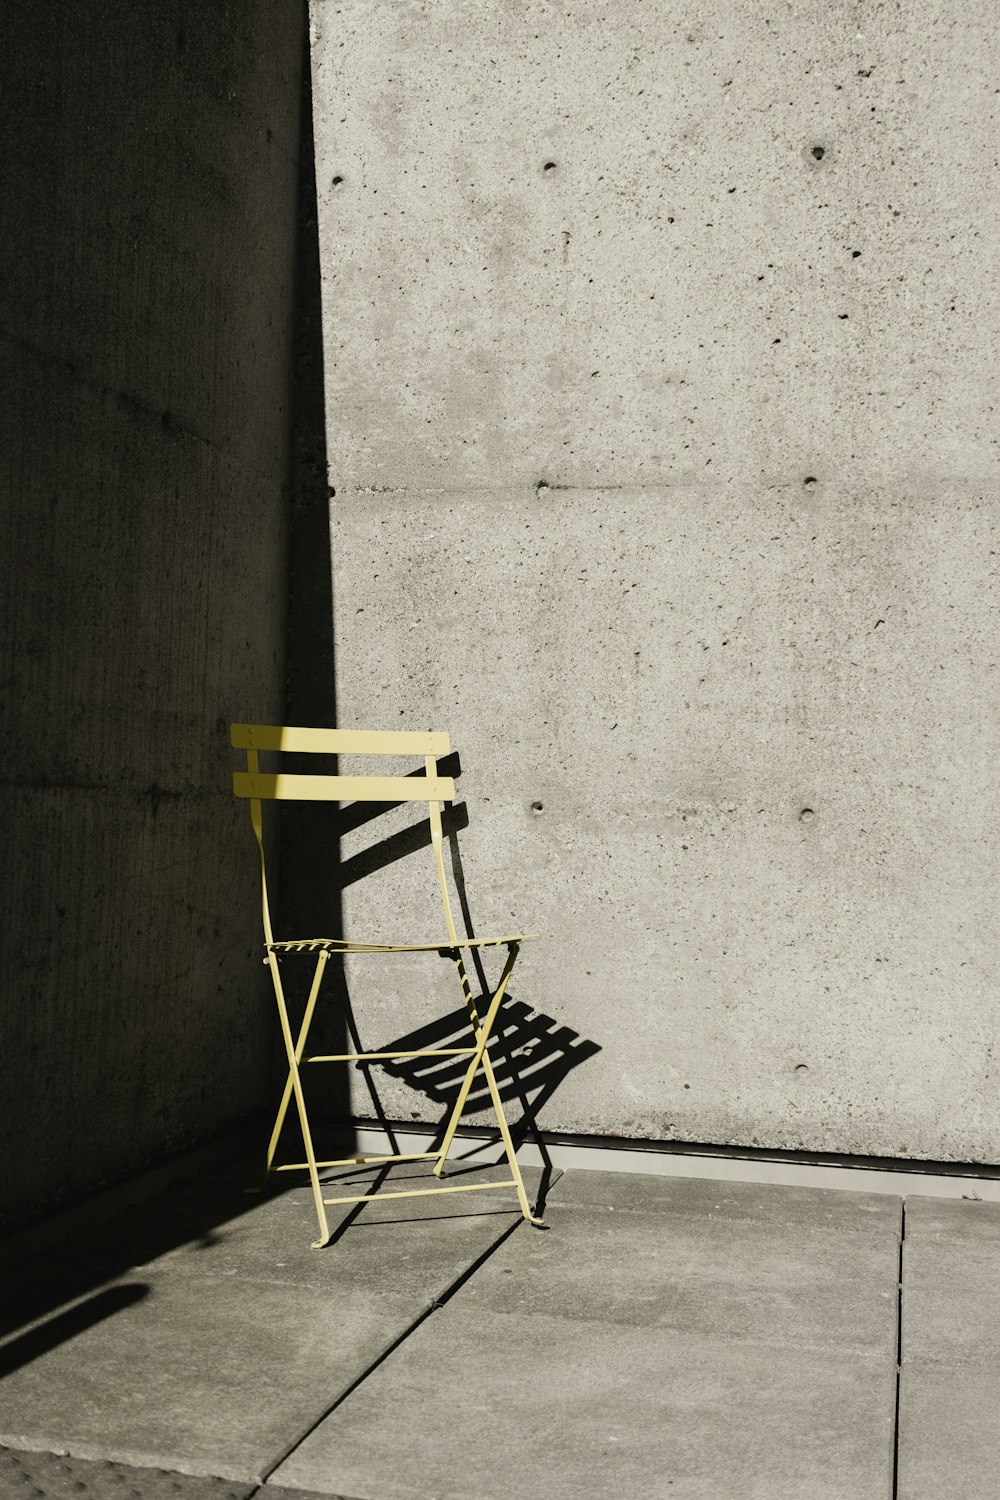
{"x":661,"y":386}
{"x":146,"y":265}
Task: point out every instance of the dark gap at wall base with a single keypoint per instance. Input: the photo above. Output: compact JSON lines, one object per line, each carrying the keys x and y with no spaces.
{"x":702,"y":1148}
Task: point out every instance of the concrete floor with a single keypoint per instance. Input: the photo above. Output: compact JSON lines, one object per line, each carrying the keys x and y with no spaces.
{"x":662,"y":1338}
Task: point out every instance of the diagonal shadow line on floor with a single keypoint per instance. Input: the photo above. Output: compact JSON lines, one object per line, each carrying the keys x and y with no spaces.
{"x":450,"y":1290}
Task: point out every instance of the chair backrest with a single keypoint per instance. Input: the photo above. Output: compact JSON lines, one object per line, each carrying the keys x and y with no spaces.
{"x":257,"y":785}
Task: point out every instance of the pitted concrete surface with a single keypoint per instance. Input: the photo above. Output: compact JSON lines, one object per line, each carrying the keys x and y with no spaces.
{"x":27,"y":1475}
{"x":948,"y":1422}
{"x":660,"y":348}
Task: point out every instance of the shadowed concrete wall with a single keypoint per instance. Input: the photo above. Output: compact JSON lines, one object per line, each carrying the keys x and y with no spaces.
{"x":661,"y":381}
{"x":147,"y":263}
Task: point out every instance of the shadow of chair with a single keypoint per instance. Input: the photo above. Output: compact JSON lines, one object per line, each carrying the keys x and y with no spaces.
{"x":532,"y":1057}
{"x":532,"y":1052}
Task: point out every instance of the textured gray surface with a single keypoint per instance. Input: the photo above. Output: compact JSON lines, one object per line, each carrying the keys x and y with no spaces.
{"x":697,"y":1338}
{"x":949,"y":1431}
{"x":26,"y":1475}
{"x":667,"y":482}
{"x":715,"y":1278}
{"x":948,"y":1220}
{"x":228,"y":1335}
{"x":654,"y":1353}
{"x":951,"y":1300}
{"x":497,"y":1408}
{"x":146,"y":342}
{"x":213,"y":1228}
{"x":279,"y":1492}
{"x":810,"y":1208}
{"x":203,"y":1374}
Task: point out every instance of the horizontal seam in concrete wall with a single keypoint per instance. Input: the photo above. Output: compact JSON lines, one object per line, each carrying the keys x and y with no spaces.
{"x":421,"y":491}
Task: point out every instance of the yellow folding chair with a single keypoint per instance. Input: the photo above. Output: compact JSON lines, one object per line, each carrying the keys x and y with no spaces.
{"x":433,"y":789}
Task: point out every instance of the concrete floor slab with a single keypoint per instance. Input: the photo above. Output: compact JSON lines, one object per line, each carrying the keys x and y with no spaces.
{"x":813,"y":1208}
{"x":212,"y":1226}
{"x":949,"y":1432}
{"x":949,"y":1429}
{"x":418,"y":1239}
{"x":504,"y":1408}
{"x":951,"y":1300}
{"x":642,"y":1348}
{"x":719,"y":1340}
{"x":772,"y":1283}
{"x":952,"y":1219}
{"x":209,"y":1375}
{"x":211,"y":1356}
{"x":279,"y":1492}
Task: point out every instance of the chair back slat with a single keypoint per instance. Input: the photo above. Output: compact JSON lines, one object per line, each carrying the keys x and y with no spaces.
{"x":338,"y":741}
{"x":344,"y":788}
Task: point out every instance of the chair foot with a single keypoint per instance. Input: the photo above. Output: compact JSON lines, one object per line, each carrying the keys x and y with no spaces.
{"x":538,"y":1223}
{"x":320,"y":1244}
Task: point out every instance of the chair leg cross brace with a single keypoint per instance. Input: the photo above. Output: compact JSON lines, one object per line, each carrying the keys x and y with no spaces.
{"x":479,"y":1058}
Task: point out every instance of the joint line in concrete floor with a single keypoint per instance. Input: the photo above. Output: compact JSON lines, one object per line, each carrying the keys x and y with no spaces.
{"x":899,"y":1353}
{"x":422,"y":1316}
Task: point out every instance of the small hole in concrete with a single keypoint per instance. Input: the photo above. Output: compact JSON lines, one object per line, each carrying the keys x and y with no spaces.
{"x":536,"y":807}
{"x":549,"y":166}
{"x":855,"y":254}
{"x":802,"y":1067}
{"x":542,"y":488}
{"x":809,"y":479}
{"x":806,"y":815}
{"x":337,"y":181}
{"x":819,"y":152}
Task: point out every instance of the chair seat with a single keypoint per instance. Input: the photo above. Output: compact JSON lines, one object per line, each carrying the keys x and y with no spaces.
{"x":343,"y":945}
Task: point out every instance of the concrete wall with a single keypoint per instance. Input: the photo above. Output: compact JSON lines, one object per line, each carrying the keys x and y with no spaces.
{"x":147,"y":265}
{"x":661,"y":380}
